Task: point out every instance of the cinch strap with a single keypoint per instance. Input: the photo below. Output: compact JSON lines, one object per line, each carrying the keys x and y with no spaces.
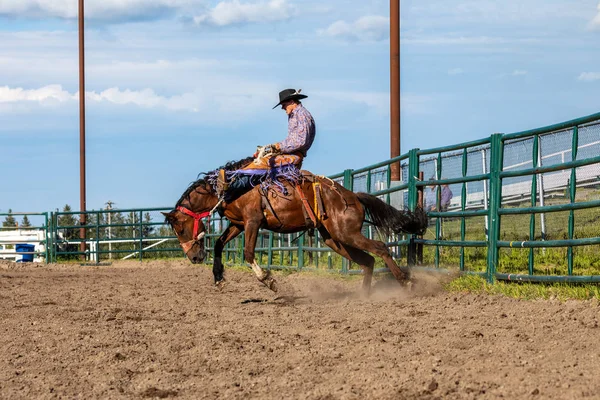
{"x":319,"y":208}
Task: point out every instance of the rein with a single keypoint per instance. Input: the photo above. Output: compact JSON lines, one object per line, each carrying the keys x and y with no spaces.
{"x":195,"y":235}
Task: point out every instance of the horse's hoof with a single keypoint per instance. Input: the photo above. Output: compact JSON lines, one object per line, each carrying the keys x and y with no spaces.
{"x":271,"y":284}
{"x":268,"y":281}
{"x":220,"y":284}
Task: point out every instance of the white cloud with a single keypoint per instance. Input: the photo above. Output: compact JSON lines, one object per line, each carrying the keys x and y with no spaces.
{"x":45,"y":95}
{"x":444,"y":12}
{"x":113,"y":10}
{"x":370,"y":27}
{"x":209,"y":104}
{"x":589,"y":76}
{"x":147,"y":98}
{"x":455,"y":71}
{"x":595,"y":23}
{"x":55,"y":94}
{"x":519,"y":72}
{"x":235,"y":12}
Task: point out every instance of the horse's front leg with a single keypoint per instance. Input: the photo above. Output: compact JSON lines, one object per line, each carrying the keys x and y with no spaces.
{"x":231,"y":232}
{"x":265,"y":277}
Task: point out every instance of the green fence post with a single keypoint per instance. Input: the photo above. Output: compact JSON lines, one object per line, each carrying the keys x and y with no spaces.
{"x":290,"y":253}
{"x":438,"y":198}
{"x":47,"y":237}
{"x":388,"y":182}
{"x":463,"y":204}
{"x":348,"y":180}
{"x":316,"y":243}
{"x":572,"y":193}
{"x":301,"y":252}
{"x":534,"y":188}
{"x":52,"y":237}
{"x":413,"y":176}
{"x":54,"y":223}
{"x":140,"y":224}
{"x":242,"y":249}
{"x":348,"y":184}
{"x":270,"y":257}
{"x":98,"y":237}
{"x":280,"y":244}
{"x":496,"y":160}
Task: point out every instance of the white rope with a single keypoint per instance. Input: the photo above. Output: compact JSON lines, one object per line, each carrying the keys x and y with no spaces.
{"x":215,"y":207}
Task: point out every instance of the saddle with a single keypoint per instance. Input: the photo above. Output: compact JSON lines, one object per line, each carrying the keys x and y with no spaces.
{"x":313,"y":216}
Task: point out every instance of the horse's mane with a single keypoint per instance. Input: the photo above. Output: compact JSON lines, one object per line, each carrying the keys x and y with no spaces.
{"x":207,"y":183}
{"x":191,"y":188}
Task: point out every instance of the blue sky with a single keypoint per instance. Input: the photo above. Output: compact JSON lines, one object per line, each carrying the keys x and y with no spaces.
{"x":177,"y":87}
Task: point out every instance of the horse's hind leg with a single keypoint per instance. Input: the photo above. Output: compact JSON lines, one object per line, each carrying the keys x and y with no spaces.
{"x":366,"y":261}
{"x":378,"y":248}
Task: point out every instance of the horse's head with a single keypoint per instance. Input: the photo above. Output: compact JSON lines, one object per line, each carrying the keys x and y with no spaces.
{"x":190,"y":231}
{"x":187,"y":224}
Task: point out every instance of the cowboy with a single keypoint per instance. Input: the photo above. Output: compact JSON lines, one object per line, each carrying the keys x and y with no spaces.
{"x":293,"y":149}
{"x":301,"y":130}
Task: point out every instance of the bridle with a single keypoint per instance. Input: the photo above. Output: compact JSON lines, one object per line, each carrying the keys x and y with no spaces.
{"x":195,"y":235}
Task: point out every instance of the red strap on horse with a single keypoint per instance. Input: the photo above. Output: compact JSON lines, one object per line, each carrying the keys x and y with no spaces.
{"x":197,"y":217}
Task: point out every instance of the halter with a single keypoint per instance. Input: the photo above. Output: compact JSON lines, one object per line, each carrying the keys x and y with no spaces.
{"x":195,"y":235}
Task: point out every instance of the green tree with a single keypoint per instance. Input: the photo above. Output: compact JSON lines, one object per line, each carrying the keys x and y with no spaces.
{"x":167,"y":231}
{"x":147,"y":229}
{"x":68,"y":221}
{"x":25,"y":222}
{"x":9,"y":221}
{"x":92,"y":221}
{"x":118,"y":231}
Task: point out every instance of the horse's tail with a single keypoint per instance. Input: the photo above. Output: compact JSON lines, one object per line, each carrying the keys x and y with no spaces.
{"x":389,"y":219}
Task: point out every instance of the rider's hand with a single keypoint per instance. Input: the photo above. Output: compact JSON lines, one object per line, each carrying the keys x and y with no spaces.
{"x":272,"y":148}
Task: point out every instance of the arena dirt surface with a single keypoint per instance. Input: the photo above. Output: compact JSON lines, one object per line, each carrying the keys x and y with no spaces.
{"x":161,"y":330}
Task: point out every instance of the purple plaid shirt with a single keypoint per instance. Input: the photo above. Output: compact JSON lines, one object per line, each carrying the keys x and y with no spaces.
{"x":301,"y":131}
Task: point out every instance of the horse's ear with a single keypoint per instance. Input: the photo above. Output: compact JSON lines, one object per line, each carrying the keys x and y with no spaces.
{"x":169,"y":216}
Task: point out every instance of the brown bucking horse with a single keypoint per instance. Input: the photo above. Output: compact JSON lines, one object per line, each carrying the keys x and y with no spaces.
{"x":336,"y":212}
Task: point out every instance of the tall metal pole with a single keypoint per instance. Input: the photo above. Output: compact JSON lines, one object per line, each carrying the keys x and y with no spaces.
{"x":395,"y":86}
{"x":82,"y":201}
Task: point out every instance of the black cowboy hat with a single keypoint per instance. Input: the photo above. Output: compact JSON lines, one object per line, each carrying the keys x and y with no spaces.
{"x":290,"y":94}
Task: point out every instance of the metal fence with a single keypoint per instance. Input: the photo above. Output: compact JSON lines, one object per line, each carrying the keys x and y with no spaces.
{"x":112,"y":234}
{"x":524,"y":206}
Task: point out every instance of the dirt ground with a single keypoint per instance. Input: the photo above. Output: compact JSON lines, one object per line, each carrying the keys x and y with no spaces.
{"x":161,"y":330}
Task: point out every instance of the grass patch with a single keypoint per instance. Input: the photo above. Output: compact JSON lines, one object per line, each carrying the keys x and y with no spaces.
{"x":527,"y":291}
